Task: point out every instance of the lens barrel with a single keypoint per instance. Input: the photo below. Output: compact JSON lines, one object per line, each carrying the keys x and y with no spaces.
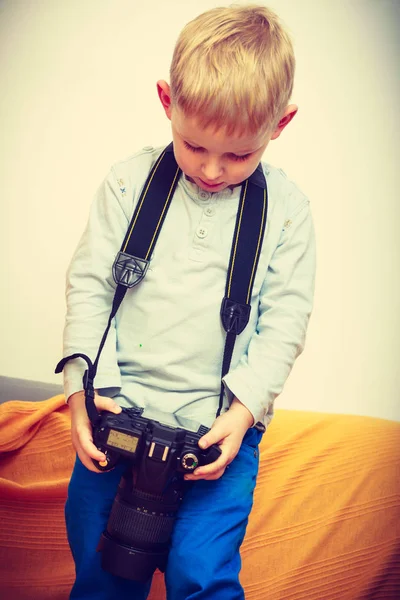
{"x":130,"y":563}
{"x":145,"y":522}
{"x":136,"y":541}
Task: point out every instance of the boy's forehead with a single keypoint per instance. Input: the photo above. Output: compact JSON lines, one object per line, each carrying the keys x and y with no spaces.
{"x":215,"y":139}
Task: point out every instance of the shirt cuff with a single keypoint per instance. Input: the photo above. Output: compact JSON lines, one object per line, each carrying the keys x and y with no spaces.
{"x":108,"y":382}
{"x":235,"y":385}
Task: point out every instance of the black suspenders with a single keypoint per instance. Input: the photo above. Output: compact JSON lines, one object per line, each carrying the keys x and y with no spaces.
{"x":132,"y":261}
{"x":246,"y":248}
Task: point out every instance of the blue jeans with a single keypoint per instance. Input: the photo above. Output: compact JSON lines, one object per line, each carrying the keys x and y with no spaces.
{"x":204,"y":560}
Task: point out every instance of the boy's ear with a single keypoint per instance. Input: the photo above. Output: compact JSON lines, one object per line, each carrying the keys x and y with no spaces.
{"x":287,"y":116}
{"x":164,"y":94}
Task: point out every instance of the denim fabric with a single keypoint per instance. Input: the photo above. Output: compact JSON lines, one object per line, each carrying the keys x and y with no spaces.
{"x":204,"y":560}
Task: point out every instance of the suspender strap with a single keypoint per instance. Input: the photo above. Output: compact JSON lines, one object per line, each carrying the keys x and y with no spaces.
{"x":131,"y":263}
{"x":245,"y":253}
{"x":148,"y":217}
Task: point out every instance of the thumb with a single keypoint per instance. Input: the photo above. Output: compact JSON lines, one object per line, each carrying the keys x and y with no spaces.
{"x":105,"y":403}
{"x":210,"y":438}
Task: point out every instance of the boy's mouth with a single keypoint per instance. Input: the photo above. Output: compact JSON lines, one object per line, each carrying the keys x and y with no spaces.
{"x":211,"y":185}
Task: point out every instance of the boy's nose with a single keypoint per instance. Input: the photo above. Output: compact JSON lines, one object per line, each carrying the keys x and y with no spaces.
{"x":212,"y":171}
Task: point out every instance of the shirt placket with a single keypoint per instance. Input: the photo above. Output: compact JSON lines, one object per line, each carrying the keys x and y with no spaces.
{"x":205,"y":226}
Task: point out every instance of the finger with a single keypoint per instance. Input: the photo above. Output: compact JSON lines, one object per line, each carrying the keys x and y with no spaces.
{"x":105,"y":403}
{"x":208,"y":470}
{"x":209,"y":477}
{"x":214,"y":436}
{"x":85,"y":441}
{"x":229,"y":450}
{"x":84,"y":458}
{"x":86,"y":461}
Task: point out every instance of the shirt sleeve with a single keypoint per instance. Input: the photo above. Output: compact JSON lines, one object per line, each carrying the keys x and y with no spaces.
{"x":90,"y":290}
{"x":285,"y":305}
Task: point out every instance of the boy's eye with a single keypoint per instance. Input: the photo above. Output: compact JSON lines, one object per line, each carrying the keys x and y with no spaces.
{"x":239,"y":158}
{"x":192,"y":148}
{"x":232,"y":156}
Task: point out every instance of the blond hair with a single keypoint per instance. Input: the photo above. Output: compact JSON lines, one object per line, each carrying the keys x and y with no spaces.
{"x":233,"y":68}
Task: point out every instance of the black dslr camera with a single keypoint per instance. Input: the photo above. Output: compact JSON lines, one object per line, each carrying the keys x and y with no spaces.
{"x":162,"y":448}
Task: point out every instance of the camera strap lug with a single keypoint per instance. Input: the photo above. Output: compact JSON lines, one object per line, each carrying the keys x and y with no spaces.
{"x":129,"y":270}
{"x":87,"y":382}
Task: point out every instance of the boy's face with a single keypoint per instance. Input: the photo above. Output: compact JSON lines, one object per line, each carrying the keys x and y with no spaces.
{"x":213,"y":160}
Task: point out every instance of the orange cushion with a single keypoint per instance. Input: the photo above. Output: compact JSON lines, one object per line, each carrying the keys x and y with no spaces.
{"x":325,"y":522}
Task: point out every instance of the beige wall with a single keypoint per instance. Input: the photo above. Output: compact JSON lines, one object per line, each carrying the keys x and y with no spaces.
{"x":78,"y":92}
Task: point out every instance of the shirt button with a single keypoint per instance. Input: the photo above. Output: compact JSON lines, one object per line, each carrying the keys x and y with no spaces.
{"x":148,"y":148}
{"x":210,"y":211}
{"x":201,"y":232}
{"x":204,"y":195}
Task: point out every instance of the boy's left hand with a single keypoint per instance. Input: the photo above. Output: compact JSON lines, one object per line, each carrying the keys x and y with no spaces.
{"x":227,"y":431}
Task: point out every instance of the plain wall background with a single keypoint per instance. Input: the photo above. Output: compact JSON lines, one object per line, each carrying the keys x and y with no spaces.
{"x":78,"y":92}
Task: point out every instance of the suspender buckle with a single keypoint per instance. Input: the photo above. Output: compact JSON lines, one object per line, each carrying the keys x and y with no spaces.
{"x":129,"y":270}
{"x":234,"y":315}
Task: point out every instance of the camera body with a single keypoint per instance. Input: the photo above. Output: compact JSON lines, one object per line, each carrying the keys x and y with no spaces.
{"x":164,"y":442}
{"x":158,"y":448}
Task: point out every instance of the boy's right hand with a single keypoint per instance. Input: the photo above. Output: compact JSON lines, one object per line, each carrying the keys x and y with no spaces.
{"x":81,"y":429}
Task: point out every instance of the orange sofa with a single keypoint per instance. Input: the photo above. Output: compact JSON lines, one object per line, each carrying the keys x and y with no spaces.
{"x":325,"y":522}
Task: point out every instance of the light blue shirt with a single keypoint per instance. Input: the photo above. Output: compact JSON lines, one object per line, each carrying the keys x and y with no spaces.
{"x":165,"y":347}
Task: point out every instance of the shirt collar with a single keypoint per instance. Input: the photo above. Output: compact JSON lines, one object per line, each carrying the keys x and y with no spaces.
{"x":258,"y":177}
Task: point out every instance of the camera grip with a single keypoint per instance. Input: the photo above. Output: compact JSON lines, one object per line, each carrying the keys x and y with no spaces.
{"x":210,"y":455}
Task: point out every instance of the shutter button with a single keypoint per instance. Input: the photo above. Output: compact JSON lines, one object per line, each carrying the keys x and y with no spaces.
{"x":201,"y":232}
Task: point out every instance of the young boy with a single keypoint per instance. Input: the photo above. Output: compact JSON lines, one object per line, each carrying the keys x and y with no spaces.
{"x":231,"y":81}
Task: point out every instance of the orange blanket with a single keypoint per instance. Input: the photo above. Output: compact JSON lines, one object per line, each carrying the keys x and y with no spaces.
{"x":325,"y":523}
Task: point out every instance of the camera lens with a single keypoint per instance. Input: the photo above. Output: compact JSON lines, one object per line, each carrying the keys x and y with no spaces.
{"x":139,"y":528}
